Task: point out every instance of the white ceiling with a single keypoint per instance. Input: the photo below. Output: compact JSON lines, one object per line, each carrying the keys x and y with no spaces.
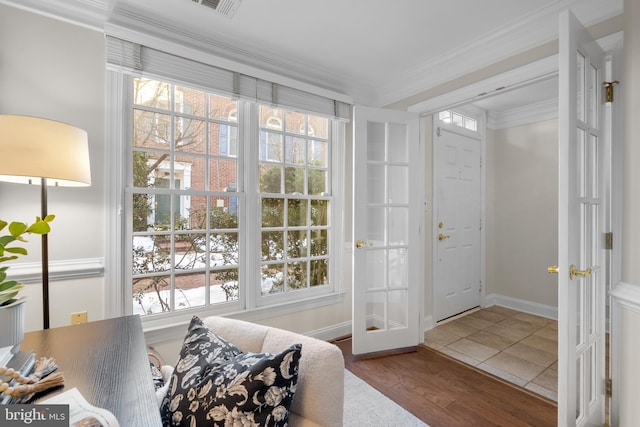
{"x":377,"y":52}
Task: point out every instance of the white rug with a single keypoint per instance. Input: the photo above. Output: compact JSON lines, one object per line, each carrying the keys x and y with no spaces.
{"x":367,"y":407}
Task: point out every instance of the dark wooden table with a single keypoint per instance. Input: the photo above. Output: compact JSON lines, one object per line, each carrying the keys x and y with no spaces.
{"x":107,"y":362}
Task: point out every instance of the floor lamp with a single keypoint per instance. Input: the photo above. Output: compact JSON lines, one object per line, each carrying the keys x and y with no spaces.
{"x":40,"y":151}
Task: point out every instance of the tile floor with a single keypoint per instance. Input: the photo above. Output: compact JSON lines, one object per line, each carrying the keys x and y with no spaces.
{"x":518,"y":347}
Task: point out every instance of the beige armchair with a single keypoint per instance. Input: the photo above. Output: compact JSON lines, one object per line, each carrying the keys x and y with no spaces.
{"x":319,"y":396}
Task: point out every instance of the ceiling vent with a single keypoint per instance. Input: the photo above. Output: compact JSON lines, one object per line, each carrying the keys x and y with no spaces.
{"x":224,"y":7}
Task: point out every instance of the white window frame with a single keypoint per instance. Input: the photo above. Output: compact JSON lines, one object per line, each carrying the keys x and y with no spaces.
{"x":118,"y":299}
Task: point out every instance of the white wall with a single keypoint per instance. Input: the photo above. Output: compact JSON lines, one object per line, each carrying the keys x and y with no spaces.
{"x":55,"y":70}
{"x":521,"y":212}
{"x":625,"y":343}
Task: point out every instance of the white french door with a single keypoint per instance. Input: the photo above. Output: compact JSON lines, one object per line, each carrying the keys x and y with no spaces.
{"x":387,"y":230}
{"x":581,"y":204}
{"x":457,"y":191}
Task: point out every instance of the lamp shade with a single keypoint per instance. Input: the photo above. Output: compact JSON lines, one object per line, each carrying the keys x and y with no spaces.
{"x":32,"y":148}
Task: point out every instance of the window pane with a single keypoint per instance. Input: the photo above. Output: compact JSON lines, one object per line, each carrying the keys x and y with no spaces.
{"x":319,"y":212}
{"x":272,"y":246}
{"x":224,"y":213}
{"x":272,"y":279}
{"x":297,"y":212}
{"x":317,"y":182}
{"x":151,"y":93}
{"x":223,"y":286}
{"x":272,"y":212}
{"x":151,"y":295}
{"x":196,"y":210}
{"x":224,"y":249}
{"x":142,"y":169}
{"x":297,"y":275}
{"x":471,"y":124}
{"x":271,"y":146}
{"x":376,"y":147}
{"x":319,"y":243}
{"x":270,"y":179}
{"x":457,"y":119}
{"x":151,"y":254}
{"x":294,"y":180}
{"x":445,"y":116}
{"x":151,"y":130}
{"x":294,"y":149}
{"x":296,"y":122}
{"x":190,"y":101}
{"x":223,"y":174}
{"x":190,"y":290}
{"x":189,"y":251}
{"x":222,"y":108}
{"x":297,"y":244}
{"x":319,"y":272}
{"x":190,"y":135}
{"x":318,"y":127}
{"x":317,"y":153}
{"x":271,"y":117}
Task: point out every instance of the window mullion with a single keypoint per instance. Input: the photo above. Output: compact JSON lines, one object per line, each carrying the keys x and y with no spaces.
{"x":251,"y":213}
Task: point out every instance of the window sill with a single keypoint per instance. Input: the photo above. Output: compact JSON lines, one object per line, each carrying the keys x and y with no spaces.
{"x":174,"y":327}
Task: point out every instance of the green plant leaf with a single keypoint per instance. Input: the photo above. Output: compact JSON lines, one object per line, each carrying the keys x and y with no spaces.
{"x":4,"y":286}
{"x":49,"y":218}
{"x":8,"y":258}
{"x":19,"y":251}
{"x":39,"y":227}
{"x":5,"y":298}
{"x":5,"y":240}
{"x":3,"y":224}
{"x":3,"y":275}
{"x":17,"y":228}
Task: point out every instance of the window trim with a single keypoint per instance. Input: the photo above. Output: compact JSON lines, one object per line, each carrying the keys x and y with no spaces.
{"x":118,"y":298}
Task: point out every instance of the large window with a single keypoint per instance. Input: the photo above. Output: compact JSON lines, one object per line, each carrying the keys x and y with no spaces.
{"x":229,"y":201}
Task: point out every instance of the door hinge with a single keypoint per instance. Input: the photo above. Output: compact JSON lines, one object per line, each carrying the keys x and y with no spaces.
{"x":608,"y":387}
{"x":608,"y":240}
{"x":608,"y":90}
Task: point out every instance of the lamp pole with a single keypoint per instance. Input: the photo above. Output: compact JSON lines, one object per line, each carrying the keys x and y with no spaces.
{"x":45,"y":257}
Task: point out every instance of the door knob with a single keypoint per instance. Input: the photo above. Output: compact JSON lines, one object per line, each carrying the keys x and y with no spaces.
{"x":361,"y":244}
{"x":443,"y":236}
{"x":574,"y":272}
{"x":553,"y":269}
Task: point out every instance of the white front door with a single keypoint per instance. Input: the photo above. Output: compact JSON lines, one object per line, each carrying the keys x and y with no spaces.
{"x":581,"y":270}
{"x":388,"y":258}
{"x":457,"y":236}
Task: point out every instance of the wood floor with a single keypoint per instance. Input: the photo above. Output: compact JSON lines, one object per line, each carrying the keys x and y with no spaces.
{"x":443,"y":392}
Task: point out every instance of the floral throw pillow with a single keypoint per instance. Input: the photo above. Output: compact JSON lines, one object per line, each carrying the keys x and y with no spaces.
{"x":216,"y":384}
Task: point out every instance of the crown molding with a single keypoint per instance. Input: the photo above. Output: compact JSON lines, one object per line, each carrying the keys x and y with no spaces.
{"x":535,"y":29}
{"x":538,"y":112}
{"x":85,"y":13}
{"x":536,"y":71}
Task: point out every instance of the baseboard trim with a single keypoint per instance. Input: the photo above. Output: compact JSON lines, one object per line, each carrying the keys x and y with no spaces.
{"x":522,"y":305}
{"x":331,"y":332}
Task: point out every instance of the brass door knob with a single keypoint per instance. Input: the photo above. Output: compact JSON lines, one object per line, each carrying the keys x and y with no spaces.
{"x":443,"y":236}
{"x":553,"y":269}
{"x":574,"y":272}
{"x":361,"y":244}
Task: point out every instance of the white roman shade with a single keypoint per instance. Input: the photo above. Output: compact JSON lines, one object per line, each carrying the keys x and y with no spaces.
{"x":136,"y":58}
